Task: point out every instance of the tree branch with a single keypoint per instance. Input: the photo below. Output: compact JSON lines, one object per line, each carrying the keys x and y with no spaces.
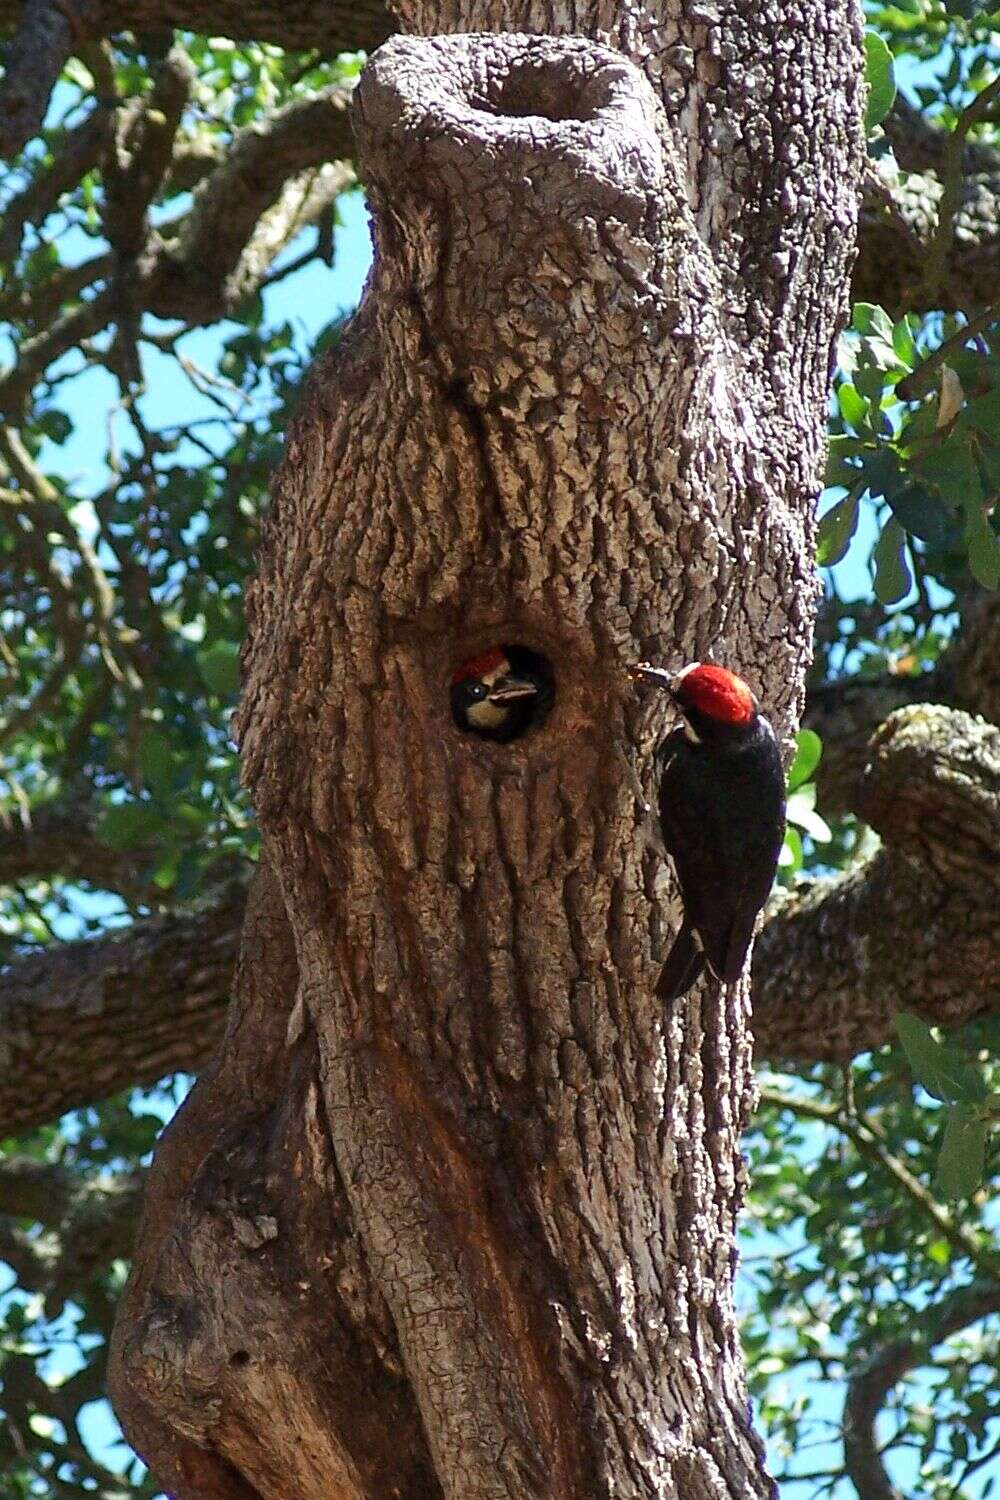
{"x":870,"y":1384}
{"x":952,"y":183}
{"x":897,"y":229}
{"x":846,"y":713}
{"x":836,"y":959}
{"x":196,"y":275}
{"x":43,"y":43}
{"x":84,"y":1020}
{"x":332,"y":26}
{"x":870,"y":1143}
{"x":911,"y":927}
{"x":135,"y":169}
{"x":74,"y":153}
{"x":254,"y":202}
{"x":87,"y":1222}
{"x":919,"y":146}
{"x":60,"y":838}
{"x":920,"y":380}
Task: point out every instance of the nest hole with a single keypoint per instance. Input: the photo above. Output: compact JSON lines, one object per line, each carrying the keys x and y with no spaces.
{"x":545,"y":93}
{"x":502,"y":693}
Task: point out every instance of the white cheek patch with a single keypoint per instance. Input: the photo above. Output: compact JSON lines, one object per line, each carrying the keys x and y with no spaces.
{"x":690,"y":733}
{"x":486,"y":715}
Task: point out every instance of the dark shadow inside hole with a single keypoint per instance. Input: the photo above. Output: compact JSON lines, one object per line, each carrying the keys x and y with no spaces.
{"x":239,"y":1357}
{"x":501,"y":693}
{"x":546,"y":93}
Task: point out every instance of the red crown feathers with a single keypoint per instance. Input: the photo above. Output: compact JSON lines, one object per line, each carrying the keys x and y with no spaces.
{"x":715,"y":692}
{"x":479,"y":666}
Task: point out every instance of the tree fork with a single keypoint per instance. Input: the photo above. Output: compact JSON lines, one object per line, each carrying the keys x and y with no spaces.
{"x":459,"y":1219}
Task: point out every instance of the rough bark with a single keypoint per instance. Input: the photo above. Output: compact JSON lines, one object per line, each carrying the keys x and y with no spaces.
{"x":331,"y":26}
{"x":846,"y":713}
{"x":88,"y":1019}
{"x":163,"y":984}
{"x":33,"y":63}
{"x":913,"y":926}
{"x":287,"y":1361}
{"x":897,"y":219}
{"x":174,"y":975}
{"x":581,"y":406}
{"x":898,"y":223}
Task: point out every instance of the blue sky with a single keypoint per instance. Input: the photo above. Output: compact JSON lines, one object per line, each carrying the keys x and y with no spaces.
{"x":309,"y":300}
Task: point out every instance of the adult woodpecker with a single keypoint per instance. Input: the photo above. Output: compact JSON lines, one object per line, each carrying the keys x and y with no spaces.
{"x":721,"y":804}
{"x":501,"y":693}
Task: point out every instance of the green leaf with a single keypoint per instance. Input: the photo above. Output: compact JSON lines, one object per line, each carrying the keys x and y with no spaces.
{"x":893,"y":579}
{"x":802,"y":812}
{"x":869,"y":318}
{"x":55,"y":424}
{"x":989,"y":459}
{"x":808,"y":751}
{"x":921,"y":513}
{"x":953,"y":76}
{"x":189,"y":874}
{"x":984,"y":412}
{"x":157,"y":759}
{"x":129,"y":825}
{"x":942,"y":1071}
{"x":903,"y":341}
{"x":963,"y":1153}
{"x":952,"y":469}
{"x":836,"y":528}
{"x":166,"y":871}
{"x":193,"y":817}
{"x":853,"y":407}
{"x":839,"y":470}
{"x":219,"y":665}
{"x":77,"y":73}
{"x":984,"y":551}
{"x":883,"y":356}
{"x":791,"y":856}
{"x":880,"y":471}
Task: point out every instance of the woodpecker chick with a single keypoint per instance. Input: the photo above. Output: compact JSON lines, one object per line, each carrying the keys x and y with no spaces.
{"x":502,"y":693}
{"x":721,"y":804}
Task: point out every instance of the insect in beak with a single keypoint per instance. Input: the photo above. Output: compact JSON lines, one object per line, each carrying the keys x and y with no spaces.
{"x":655,"y":676}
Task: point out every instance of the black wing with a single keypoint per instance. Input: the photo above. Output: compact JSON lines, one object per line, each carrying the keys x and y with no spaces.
{"x":722,"y":819}
{"x":683,"y":965}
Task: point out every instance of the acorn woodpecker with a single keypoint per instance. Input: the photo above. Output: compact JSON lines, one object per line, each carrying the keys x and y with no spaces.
{"x":721,"y":804}
{"x":502,"y":693}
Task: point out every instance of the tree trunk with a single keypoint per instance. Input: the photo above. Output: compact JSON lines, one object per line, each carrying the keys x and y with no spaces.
{"x":458,"y":1220}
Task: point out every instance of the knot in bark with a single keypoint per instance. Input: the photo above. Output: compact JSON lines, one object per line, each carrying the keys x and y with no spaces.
{"x":932,"y":787}
{"x":525,"y":118}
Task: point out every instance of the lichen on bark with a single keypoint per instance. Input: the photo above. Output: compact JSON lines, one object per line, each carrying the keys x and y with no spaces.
{"x":581,"y":407}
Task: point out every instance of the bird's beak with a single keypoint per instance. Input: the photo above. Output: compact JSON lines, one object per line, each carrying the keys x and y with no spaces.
{"x":655,"y":676}
{"x":508,"y":689}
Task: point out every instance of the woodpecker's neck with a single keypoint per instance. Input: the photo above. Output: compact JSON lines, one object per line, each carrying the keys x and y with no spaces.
{"x":703,"y":731}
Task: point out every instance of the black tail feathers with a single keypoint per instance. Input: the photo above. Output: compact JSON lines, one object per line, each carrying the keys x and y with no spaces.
{"x":684,"y":965}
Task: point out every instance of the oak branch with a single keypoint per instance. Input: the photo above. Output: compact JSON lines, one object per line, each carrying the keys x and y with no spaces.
{"x":462,"y":1161}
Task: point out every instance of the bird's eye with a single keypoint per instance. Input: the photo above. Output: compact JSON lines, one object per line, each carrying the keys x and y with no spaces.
{"x":477,"y":691}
